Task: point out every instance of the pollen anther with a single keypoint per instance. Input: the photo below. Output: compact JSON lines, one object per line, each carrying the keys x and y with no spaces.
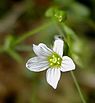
{"x":55,"y":60}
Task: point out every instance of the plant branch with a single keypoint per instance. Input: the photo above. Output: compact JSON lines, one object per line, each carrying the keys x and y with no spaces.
{"x":30,"y":33}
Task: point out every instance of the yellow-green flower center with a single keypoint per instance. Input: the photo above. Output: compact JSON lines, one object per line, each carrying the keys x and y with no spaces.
{"x":54,"y":60}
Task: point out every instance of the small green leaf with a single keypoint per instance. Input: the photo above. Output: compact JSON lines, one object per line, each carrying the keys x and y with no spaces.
{"x":8,"y":42}
{"x":9,"y":50}
{"x":50,"y":12}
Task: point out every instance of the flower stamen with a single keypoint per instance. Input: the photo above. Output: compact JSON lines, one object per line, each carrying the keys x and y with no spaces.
{"x":54,"y":60}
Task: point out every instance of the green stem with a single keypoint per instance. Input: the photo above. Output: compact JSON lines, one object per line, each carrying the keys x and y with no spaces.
{"x":78,"y":87}
{"x":30,"y":33}
{"x":63,"y":33}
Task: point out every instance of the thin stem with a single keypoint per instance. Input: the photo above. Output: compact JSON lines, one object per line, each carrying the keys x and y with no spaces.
{"x":63,"y":33}
{"x":30,"y":33}
{"x":78,"y":87}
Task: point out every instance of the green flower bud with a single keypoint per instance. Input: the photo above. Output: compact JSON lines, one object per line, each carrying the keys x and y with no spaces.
{"x":57,"y":14}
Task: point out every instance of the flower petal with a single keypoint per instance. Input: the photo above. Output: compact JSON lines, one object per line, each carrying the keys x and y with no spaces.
{"x":37,"y":64}
{"x":41,"y":50}
{"x":58,"y":46}
{"x":53,"y":76}
{"x":67,"y":64}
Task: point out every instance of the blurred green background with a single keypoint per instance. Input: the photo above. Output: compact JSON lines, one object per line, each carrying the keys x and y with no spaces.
{"x":25,"y":17}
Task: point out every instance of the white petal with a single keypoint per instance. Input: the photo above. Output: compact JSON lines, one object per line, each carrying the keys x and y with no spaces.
{"x":37,"y":64}
{"x":53,"y":76}
{"x":67,"y":64}
{"x":41,"y":50}
{"x":58,"y":46}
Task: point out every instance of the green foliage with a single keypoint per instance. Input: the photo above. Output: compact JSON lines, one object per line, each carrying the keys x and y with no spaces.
{"x":56,"y":14}
{"x":78,"y":49}
{"x":75,"y":44}
{"x":56,"y":17}
{"x":72,"y":20}
{"x":80,"y":11}
{"x":76,"y":11}
{"x":9,"y":50}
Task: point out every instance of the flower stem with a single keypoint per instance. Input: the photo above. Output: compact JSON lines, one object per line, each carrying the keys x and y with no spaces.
{"x":30,"y":33}
{"x":78,"y":87}
{"x":62,"y":32}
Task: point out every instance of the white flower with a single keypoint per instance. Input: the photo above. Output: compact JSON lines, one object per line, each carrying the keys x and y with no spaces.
{"x":52,"y":60}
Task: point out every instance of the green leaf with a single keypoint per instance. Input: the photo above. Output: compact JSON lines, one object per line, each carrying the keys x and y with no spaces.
{"x":8,"y":42}
{"x":50,"y":12}
{"x":9,"y":50}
